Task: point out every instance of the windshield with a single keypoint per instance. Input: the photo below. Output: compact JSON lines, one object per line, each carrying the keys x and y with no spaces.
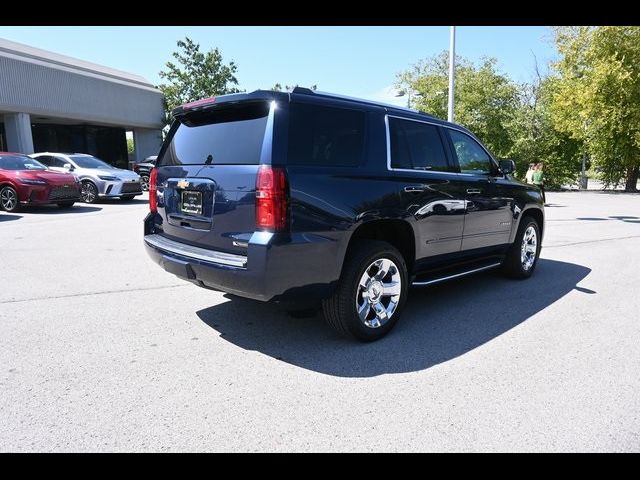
{"x":87,"y":161}
{"x":15,"y":162}
{"x":230,"y":135}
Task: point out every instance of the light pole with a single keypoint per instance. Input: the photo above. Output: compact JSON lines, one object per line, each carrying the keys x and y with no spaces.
{"x":452,"y":70}
{"x":402,"y":93}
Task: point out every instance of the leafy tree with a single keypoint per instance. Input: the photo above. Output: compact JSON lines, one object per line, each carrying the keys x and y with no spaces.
{"x":597,"y":96}
{"x":195,"y":75}
{"x":485,"y":100}
{"x":536,"y":138}
{"x":288,"y":88}
{"x":130,"y":146}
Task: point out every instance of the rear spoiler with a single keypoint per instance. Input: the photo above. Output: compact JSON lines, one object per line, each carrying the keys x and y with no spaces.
{"x":212,"y":102}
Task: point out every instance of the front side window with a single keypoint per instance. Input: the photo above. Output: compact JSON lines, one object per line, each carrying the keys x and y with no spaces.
{"x":325,"y":136}
{"x":19,"y":162}
{"x":416,"y":146}
{"x":46,"y":160}
{"x":472,"y":158}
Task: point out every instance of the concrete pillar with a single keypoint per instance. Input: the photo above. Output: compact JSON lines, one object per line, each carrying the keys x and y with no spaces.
{"x":17,"y":129}
{"x":147,"y":142}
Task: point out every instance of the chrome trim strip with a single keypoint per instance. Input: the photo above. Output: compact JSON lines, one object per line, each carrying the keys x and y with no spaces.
{"x":197,"y":253}
{"x":449,"y":277}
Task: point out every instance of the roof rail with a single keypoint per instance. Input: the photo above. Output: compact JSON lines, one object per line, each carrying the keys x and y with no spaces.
{"x":303,"y":90}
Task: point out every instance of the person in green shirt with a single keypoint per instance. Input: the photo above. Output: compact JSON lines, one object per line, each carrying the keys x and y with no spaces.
{"x":538,"y":179}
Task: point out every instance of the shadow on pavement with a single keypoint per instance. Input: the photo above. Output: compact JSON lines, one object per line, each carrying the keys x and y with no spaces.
{"x":55,"y":210}
{"x":439,"y":323}
{"x":6,"y":217}
{"x":117,"y":201}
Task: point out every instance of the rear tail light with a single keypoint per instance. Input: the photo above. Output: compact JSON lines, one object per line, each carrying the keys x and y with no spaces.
{"x":271,"y":198}
{"x":153,"y":188}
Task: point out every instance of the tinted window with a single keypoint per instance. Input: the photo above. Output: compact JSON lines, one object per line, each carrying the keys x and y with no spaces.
{"x":58,"y":162}
{"x":416,"y":146}
{"x":471,"y":156}
{"x":231,"y":135}
{"x":325,"y":136}
{"x":15,"y":162}
{"x":84,"y":161}
{"x":46,"y":160}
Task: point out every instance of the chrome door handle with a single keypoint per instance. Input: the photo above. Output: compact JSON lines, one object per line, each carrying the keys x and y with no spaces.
{"x":414,"y":188}
{"x":473,"y":191}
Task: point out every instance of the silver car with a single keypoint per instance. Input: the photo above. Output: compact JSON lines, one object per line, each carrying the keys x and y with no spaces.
{"x":99,"y":179}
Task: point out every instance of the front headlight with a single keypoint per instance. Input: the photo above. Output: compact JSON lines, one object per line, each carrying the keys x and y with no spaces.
{"x":108,"y":178}
{"x":32,"y":181}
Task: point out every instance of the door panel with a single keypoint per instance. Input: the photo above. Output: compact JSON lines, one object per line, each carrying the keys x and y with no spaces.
{"x":489,"y":216}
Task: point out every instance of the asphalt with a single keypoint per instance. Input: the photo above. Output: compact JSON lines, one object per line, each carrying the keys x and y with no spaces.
{"x":101,"y":350}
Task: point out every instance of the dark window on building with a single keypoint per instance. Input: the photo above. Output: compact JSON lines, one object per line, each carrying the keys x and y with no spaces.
{"x":231,"y":135}
{"x":325,"y":136}
{"x":471,"y":156}
{"x":416,"y":146}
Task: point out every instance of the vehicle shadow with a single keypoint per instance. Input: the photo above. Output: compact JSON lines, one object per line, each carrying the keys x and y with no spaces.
{"x":6,"y":217}
{"x":439,"y":323}
{"x":117,"y":201}
{"x":55,"y":210}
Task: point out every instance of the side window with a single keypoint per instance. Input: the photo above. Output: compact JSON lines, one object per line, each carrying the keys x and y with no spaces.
{"x":59,"y":162}
{"x":45,"y":160}
{"x":471,"y":156}
{"x":416,"y":146}
{"x":325,"y":136}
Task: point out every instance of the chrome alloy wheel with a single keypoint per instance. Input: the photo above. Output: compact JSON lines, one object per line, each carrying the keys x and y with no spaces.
{"x":144,"y":182}
{"x":529,"y":248}
{"x":9,"y":199}
{"x":378,"y":293}
{"x":88,"y":192}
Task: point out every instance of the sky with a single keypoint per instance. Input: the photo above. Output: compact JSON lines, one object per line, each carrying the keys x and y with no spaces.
{"x":356,"y":61}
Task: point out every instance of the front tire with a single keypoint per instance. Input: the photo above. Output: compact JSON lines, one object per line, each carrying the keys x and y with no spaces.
{"x":89,"y":192}
{"x":9,"y":199}
{"x":371,"y":292}
{"x":522,"y":256}
{"x":144,"y":182}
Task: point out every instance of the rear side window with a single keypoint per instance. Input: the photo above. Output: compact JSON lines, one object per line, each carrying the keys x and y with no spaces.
{"x":325,"y":136}
{"x":228,"y":135}
{"x":416,"y":146}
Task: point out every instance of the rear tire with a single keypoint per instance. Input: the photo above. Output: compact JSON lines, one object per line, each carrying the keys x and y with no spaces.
{"x":522,"y":256}
{"x":65,"y":204}
{"x":371,"y":292}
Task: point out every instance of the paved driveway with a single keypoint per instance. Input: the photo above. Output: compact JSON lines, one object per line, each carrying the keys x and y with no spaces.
{"x":101,"y":350}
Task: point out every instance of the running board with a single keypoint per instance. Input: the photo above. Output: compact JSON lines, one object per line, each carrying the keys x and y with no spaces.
{"x":455,"y":275}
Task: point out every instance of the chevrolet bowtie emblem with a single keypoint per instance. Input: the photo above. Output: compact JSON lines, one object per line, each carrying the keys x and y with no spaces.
{"x":183,"y":184}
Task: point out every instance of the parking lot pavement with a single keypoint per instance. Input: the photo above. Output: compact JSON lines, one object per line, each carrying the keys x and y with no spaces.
{"x":101,"y":350}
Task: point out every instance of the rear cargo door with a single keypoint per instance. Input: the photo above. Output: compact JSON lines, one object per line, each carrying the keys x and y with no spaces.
{"x":207,"y":174}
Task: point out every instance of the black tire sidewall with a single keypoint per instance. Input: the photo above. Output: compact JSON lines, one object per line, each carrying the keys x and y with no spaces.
{"x":354,"y":324}
{"x":527,"y":222}
{"x":15,"y":192}
{"x":96,"y":192}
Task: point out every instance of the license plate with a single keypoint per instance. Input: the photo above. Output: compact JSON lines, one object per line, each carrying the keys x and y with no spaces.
{"x":191,"y":202}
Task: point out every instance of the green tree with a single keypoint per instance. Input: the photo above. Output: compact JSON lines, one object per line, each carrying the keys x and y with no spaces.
{"x":130,"y":146}
{"x":195,"y":75}
{"x":536,"y":138}
{"x":485,"y":100}
{"x":288,"y":88}
{"x":597,"y":96}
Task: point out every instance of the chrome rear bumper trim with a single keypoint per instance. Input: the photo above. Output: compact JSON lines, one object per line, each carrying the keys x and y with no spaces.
{"x":197,"y":253}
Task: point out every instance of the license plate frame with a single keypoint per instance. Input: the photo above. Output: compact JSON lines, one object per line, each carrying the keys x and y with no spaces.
{"x":191,"y":202}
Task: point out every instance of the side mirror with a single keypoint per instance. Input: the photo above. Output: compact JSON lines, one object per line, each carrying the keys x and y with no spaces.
{"x":507,"y":166}
{"x":68,"y":166}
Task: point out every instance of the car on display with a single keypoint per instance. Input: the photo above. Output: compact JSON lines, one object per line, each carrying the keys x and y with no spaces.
{"x":310,"y":198}
{"x":25,"y":181}
{"x":143,"y":169}
{"x":98,"y":179}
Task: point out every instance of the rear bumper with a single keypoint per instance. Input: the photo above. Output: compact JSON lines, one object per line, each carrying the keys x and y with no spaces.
{"x":277,"y":267}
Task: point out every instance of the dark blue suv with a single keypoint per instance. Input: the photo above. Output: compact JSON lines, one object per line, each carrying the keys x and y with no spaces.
{"x":309,"y":197}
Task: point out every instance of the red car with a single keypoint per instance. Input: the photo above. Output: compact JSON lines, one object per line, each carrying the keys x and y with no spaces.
{"x":25,"y":181}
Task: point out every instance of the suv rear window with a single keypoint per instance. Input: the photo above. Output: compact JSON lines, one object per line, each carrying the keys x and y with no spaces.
{"x":325,"y":136}
{"x":228,"y":135}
